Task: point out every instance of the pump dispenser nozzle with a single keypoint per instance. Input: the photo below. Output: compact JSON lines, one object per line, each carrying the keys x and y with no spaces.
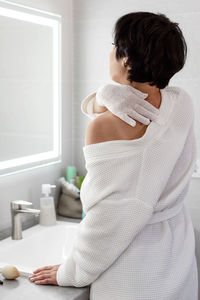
{"x":46,"y":189}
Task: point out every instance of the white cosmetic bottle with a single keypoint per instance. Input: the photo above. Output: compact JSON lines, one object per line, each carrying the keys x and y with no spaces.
{"x":47,"y":206}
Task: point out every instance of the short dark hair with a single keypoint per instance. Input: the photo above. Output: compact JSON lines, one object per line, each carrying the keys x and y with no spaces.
{"x":154,"y":45}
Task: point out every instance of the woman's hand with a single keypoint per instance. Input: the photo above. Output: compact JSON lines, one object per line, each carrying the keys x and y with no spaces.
{"x":127,"y":103}
{"x":45,"y":275}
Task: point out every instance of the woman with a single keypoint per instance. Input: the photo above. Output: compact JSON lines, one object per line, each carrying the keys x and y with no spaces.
{"x":136,"y":241}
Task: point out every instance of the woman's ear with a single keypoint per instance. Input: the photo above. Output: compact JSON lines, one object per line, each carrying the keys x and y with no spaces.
{"x":124,"y":62}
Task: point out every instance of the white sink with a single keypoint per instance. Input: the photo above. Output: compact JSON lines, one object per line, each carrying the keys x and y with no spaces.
{"x":40,"y":246}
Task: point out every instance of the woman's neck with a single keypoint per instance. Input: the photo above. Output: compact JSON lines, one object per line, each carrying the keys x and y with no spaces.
{"x":154,"y":94}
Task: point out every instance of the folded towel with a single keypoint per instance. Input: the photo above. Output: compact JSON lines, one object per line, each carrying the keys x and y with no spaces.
{"x":69,"y":188}
{"x":69,"y":204}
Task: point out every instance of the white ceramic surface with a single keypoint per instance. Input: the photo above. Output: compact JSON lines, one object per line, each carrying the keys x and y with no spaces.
{"x":40,"y":246}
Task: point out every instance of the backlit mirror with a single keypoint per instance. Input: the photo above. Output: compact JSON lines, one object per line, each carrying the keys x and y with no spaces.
{"x":30,"y":78}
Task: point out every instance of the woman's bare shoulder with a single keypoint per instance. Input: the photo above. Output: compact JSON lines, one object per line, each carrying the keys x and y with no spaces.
{"x":108,"y":127}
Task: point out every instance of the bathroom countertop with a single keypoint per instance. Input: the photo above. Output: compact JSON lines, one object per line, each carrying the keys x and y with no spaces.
{"x":21,"y":288}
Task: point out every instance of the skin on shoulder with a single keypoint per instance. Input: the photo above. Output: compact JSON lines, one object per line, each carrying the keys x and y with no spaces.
{"x":109,"y":127}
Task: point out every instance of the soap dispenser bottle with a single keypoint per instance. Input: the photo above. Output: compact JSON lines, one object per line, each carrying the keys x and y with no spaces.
{"x":47,"y":206}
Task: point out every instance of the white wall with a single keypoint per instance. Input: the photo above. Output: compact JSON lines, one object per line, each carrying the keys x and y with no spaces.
{"x":93,"y":26}
{"x":27,"y":185}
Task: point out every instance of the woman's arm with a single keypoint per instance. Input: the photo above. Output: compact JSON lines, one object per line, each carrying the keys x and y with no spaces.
{"x":105,"y":232}
{"x":114,"y":216}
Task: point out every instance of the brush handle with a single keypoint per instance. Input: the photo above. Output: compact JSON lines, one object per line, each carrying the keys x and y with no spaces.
{"x":22,"y":273}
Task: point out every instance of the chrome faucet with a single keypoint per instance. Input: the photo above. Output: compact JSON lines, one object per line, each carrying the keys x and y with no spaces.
{"x":16,"y":210}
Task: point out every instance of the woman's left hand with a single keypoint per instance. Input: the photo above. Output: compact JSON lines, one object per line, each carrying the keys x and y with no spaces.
{"x":45,"y":275}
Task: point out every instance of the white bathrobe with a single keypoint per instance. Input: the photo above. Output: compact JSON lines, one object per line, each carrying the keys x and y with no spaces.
{"x":136,"y":241}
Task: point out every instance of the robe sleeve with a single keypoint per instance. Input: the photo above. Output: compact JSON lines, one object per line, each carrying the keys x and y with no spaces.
{"x":105,"y":232}
{"x":114,"y":216}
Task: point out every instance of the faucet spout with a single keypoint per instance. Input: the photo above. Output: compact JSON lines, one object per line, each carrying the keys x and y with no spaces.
{"x":16,"y":211}
{"x":30,"y":211}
